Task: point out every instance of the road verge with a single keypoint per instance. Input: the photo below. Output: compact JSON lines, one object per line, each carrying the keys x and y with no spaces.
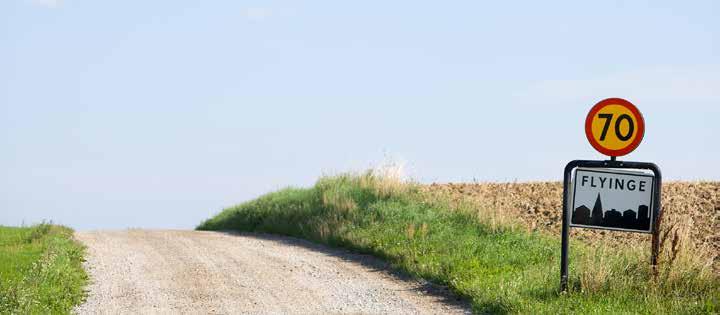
{"x":41,"y":270}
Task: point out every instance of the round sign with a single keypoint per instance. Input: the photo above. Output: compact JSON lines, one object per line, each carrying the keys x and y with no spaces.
{"x":614,"y":127}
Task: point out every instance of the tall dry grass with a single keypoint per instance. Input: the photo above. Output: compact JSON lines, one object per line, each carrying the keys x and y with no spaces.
{"x":680,"y":257}
{"x":385,"y":180}
{"x":345,"y":193}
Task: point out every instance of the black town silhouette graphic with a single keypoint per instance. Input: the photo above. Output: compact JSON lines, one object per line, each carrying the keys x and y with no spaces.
{"x":629,"y":219}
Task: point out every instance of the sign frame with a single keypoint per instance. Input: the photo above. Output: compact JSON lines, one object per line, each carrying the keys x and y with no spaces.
{"x":567,"y":198}
{"x":610,"y":171}
{"x":638,"y":118}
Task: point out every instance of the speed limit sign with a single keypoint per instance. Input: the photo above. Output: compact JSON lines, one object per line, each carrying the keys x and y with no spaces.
{"x":614,"y":127}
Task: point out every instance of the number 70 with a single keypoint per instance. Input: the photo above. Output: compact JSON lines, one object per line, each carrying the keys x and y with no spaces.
{"x":608,"y":119}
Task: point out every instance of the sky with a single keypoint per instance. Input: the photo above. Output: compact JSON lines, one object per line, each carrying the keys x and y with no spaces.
{"x":158,"y":114}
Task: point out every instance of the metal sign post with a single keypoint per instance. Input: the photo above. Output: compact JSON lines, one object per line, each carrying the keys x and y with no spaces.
{"x":567,"y":191}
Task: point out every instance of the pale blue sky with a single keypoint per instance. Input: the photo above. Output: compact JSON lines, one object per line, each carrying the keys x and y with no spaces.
{"x":119,"y":114}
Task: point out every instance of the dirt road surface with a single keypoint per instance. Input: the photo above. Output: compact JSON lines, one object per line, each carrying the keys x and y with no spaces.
{"x":144,"y":271}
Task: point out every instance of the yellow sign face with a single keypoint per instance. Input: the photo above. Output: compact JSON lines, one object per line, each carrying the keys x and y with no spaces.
{"x":614,"y":127}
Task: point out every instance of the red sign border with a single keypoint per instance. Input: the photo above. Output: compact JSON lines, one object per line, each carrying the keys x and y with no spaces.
{"x":614,"y":101}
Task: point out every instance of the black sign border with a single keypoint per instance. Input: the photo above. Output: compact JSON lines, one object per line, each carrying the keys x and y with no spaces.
{"x":609,"y":171}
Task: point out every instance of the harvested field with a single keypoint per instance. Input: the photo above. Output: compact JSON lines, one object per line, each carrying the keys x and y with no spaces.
{"x":691,"y":211}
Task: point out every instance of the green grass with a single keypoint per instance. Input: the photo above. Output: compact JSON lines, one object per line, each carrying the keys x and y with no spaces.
{"x":498,"y":269}
{"x":40,"y":270}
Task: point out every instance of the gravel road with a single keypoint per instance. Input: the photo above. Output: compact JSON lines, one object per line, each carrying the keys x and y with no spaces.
{"x":163,"y":271}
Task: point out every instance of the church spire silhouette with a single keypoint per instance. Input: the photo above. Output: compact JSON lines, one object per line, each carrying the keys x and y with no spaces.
{"x":597,"y":212}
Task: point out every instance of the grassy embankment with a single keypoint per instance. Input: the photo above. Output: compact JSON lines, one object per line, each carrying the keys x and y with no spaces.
{"x":481,"y":254}
{"x":40,"y":270}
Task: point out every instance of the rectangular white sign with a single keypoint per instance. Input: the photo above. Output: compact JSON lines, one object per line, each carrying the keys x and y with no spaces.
{"x":612,"y":199}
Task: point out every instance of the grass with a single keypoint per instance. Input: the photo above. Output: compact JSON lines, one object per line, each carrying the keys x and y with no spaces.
{"x":497,"y":266}
{"x":40,"y":270}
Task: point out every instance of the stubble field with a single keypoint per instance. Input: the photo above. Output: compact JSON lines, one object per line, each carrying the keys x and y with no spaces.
{"x":691,"y":213}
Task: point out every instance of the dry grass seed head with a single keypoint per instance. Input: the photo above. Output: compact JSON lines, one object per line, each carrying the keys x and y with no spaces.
{"x":423,"y":230}
{"x":410,"y":231}
{"x":596,"y":272}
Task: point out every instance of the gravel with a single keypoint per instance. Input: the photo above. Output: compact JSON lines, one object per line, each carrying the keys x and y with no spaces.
{"x":168,"y":271}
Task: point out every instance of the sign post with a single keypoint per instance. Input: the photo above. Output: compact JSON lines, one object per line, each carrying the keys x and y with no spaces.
{"x":611,"y":194}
